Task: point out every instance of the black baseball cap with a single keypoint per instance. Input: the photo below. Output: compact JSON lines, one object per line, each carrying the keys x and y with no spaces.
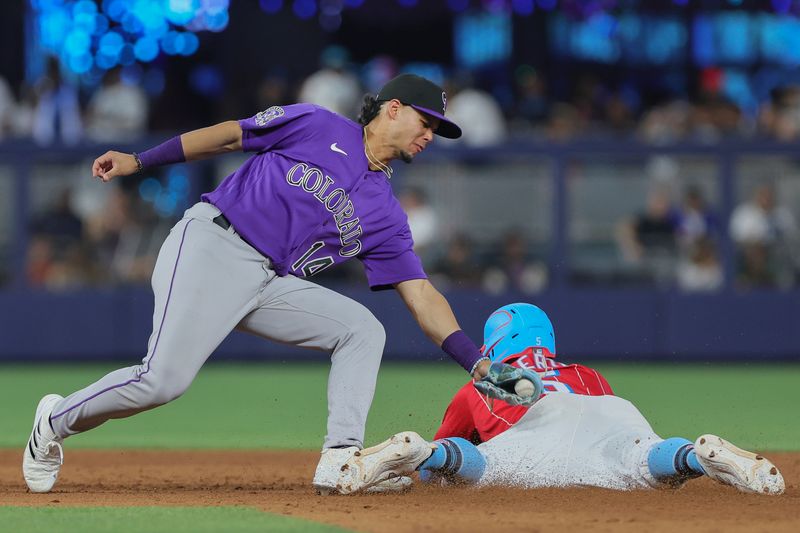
{"x":424,"y":96}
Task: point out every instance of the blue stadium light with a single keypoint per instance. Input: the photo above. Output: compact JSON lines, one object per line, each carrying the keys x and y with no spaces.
{"x":131,"y":23}
{"x":169,"y":43}
{"x":216,"y":22}
{"x":106,"y":61}
{"x":53,"y":26}
{"x":190,"y":44}
{"x":151,"y":15}
{"x":100,"y":24}
{"x":80,"y":63}
{"x":146,"y":49}
{"x":85,"y":21}
{"x":77,"y":43}
{"x":121,"y":32}
{"x":165,"y":203}
{"x":214,"y":6}
{"x":110,"y":43}
{"x":149,"y":189}
{"x":304,"y":9}
{"x":126,"y":55}
{"x":547,"y":5}
{"x":115,"y":9}
{"x":180,"y":12}
{"x":270,"y":6}
{"x":84,"y":7}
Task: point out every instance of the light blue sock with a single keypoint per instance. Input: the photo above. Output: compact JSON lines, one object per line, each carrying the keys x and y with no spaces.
{"x":454,"y":458}
{"x":674,"y":460}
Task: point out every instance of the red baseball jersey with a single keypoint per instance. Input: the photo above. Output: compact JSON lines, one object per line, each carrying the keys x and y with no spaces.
{"x":477,"y":418}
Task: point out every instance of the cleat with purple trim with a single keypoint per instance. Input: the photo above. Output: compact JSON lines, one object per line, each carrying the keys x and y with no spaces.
{"x":43,"y":456}
{"x":729,"y":465}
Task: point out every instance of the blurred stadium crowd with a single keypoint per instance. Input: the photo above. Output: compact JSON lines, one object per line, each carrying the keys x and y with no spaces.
{"x":80,"y":237}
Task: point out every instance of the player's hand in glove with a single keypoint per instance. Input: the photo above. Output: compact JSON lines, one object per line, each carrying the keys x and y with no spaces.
{"x":499,"y":384}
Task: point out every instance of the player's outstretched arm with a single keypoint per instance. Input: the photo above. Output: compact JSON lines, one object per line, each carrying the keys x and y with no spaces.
{"x":198,"y":144}
{"x":221,"y":138}
{"x":434,"y":315}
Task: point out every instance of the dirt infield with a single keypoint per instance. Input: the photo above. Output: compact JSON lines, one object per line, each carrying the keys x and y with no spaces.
{"x":279,"y":482}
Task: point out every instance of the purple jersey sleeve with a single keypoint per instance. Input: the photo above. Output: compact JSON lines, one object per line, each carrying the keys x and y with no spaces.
{"x":393,"y":262}
{"x":276,"y":126}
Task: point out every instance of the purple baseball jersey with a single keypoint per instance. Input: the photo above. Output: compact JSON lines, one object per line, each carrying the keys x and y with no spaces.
{"x":307,"y":199}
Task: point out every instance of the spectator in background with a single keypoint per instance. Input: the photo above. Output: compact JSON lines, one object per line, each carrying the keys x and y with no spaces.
{"x":648,"y":240}
{"x":513,"y":268}
{"x":480,"y":116}
{"x":780,"y":117}
{"x":57,"y":257}
{"x":666,"y":123}
{"x":333,"y":87}
{"x":117,"y":111}
{"x":532,"y":104}
{"x":458,"y":266}
{"x":57,"y":115}
{"x":699,"y":269}
{"x":714,"y":118}
{"x":422,"y":221}
{"x":695,"y":220}
{"x":126,"y":237}
{"x":22,"y":115}
{"x":764,"y":233}
{"x":564,"y":123}
{"x":619,"y":114}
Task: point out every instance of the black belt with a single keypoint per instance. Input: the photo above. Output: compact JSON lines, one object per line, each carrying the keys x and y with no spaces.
{"x":222,"y":222}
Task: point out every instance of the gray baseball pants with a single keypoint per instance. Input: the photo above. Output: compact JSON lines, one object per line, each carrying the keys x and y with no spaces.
{"x":208,"y":281}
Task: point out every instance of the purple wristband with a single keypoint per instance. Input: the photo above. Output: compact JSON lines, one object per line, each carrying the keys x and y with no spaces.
{"x":461,"y":348}
{"x":166,"y":153}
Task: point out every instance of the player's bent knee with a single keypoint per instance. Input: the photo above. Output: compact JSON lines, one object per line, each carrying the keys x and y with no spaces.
{"x":160,"y":391}
{"x":367,"y":330}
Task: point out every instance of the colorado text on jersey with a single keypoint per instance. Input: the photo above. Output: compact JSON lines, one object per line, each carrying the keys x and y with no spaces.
{"x":337,"y":202}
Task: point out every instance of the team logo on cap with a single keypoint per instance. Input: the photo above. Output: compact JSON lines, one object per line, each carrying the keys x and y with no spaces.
{"x":268,"y":115}
{"x":444,"y":101}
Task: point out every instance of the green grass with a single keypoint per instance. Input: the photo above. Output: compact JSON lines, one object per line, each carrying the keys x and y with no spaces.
{"x":283,"y":406}
{"x":152,"y":520}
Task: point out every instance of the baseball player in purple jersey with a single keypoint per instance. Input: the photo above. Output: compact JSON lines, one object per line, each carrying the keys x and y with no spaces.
{"x":315,"y":193}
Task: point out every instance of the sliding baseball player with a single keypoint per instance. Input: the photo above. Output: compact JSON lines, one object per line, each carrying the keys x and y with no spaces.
{"x":578,"y":433}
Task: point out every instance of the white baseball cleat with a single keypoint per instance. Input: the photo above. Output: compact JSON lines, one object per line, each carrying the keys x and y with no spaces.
{"x":398,"y":456}
{"x":43,"y":456}
{"x":395,"y":484}
{"x":739,"y":468}
{"x":329,"y":468}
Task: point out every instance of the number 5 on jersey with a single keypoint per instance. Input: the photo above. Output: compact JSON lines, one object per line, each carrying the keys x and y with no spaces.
{"x":309,"y":266}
